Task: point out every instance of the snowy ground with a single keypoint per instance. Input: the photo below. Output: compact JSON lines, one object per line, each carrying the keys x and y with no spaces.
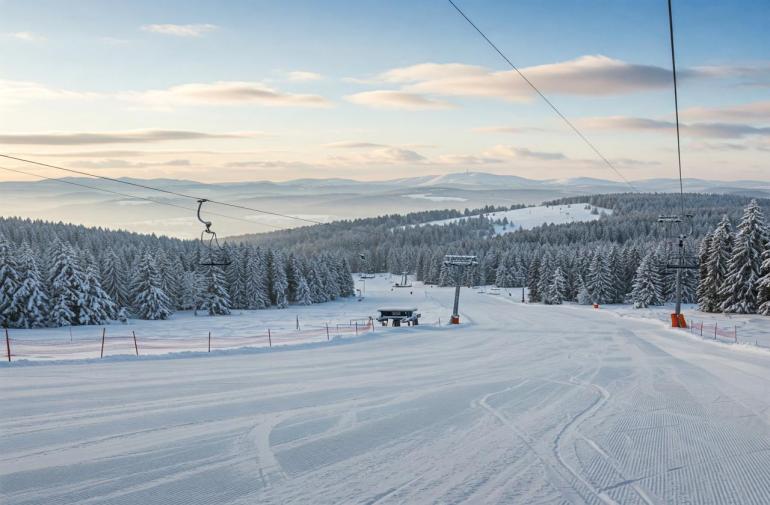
{"x":524,"y":404}
{"x":530,"y":217}
{"x":185,"y":332}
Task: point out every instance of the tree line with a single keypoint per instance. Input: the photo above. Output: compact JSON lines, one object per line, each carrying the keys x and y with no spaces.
{"x":53,"y":274}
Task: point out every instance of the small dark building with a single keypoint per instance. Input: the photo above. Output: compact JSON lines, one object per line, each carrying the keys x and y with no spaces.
{"x":398,"y":316}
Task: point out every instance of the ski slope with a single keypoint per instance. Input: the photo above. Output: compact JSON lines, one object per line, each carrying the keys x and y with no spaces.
{"x":524,"y":404}
{"x":531,"y":217}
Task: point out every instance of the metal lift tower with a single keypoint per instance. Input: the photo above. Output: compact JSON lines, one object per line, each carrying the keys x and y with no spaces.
{"x":679,"y":260}
{"x":458,"y":264}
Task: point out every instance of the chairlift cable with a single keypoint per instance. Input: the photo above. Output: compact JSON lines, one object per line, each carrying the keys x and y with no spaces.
{"x":167,"y":191}
{"x":545,"y":98}
{"x":676,"y":106}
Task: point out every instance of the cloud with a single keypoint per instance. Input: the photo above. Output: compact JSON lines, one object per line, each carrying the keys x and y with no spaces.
{"x":759,"y":111}
{"x":524,"y":153}
{"x":117,"y":163}
{"x":301,"y":75}
{"x":705,"y":130}
{"x":507,"y":129}
{"x":195,"y":30}
{"x":226,"y":92}
{"x":591,"y":75}
{"x":26,"y":36}
{"x":349,"y":144}
{"x":15,"y":92}
{"x":468,"y":159}
{"x":115,"y":137}
{"x":388,"y":99}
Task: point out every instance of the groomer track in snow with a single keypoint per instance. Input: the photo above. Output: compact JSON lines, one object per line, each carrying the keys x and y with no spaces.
{"x":537,"y":404}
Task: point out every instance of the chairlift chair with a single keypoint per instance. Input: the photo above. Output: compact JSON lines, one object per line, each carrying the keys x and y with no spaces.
{"x":212,"y":245}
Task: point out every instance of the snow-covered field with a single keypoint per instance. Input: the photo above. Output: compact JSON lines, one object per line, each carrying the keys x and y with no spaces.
{"x":525,"y":404}
{"x":186,"y":332}
{"x":530,"y":217}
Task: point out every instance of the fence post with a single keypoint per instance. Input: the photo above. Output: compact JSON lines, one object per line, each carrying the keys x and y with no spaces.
{"x":327,"y":332}
{"x":701,"y":328}
{"x":356,"y":328}
{"x":735,"y":333}
{"x":136,"y":347}
{"x":104,"y":332}
{"x":269,"y":338}
{"x":209,"y":341}
{"x":371,"y":321}
{"x":8,"y":345}
{"x":715,"y":330}
{"x":297,"y":322}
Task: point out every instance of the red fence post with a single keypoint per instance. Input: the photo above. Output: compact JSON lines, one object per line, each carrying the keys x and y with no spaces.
{"x":269,"y":338}
{"x":104,"y":332}
{"x":8,"y":345}
{"x":209,"y":341}
{"x":136,"y":347}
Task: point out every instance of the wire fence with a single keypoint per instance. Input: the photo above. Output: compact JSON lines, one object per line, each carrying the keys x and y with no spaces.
{"x":722,"y":332}
{"x":124,"y":342}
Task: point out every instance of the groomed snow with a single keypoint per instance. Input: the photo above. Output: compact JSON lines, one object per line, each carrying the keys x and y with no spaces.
{"x":524,"y":404}
{"x":531,"y":217}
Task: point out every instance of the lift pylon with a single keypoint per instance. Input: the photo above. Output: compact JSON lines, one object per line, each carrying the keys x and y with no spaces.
{"x":458,"y":263}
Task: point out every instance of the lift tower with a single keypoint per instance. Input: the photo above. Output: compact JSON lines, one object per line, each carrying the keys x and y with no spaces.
{"x":678,"y":230}
{"x":457,"y":265}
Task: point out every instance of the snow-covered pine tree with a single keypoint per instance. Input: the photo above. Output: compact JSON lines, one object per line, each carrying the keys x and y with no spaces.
{"x":546,"y":273}
{"x":583,"y":296}
{"x":647,"y":283}
{"x":558,"y":288}
{"x":763,"y":295}
{"x":30,"y":296}
{"x":114,"y":278}
{"x":719,"y":253}
{"x":703,"y":260}
{"x":256,"y":281}
{"x":98,"y":306}
{"x":215,"y":299}
{"x":68,"y":286}
{"x":600,"y":279}
{"x":533,"y":276}
{"x":345,"y":278}
{"x":190,"y":292}
{"x":278,"y":281}
{"x":149,"y":299}
{"x":741,"y":285}
{"x":303,"y":291}
{"x":9,"y":283}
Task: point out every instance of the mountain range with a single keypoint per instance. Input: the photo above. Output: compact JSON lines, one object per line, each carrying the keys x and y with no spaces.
{"x":316,"y":199}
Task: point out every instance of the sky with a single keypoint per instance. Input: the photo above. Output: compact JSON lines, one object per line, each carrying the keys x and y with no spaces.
{"x":371,"y":90}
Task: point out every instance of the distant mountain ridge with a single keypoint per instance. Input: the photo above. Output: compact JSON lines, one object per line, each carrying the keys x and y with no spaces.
{"x":319,"y":199}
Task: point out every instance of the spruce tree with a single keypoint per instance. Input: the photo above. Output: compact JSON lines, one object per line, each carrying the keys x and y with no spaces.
{"x":763,"y":296}
{"x":600,"y":280}
{"x":647,"y":283}
{"x":98,"y":306}
{"x":9,"y":283}
{"x":741,"y":286}
{"x":558,"y":288}
{"x":278,"y":282}
{"x":215,"y":299}
{"x":30,"y":297}
{"x":719,"y":253}
{"x":149,"y":299}
{"x":69,"y":287}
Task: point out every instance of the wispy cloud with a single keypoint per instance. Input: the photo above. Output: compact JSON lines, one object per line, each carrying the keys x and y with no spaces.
{"x":591,"y":75}
{"x":351,"y":144}
{"x":115,"y":137}
{"x":15,"y":92}
{"x":387,"y":99}
{"x":508,"y":129}
{"x":705,"y":130}
{"x":226,"y":92}
{"x":759,"y":111}
{"x":26,"y":36}
{"x":121,"y":164}
{"x":194,"y":30}
{"x":301,"y":75}
{"x":525,"y":153}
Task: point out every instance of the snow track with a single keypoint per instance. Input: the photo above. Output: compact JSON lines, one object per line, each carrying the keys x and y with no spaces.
{"x":521,"y":404}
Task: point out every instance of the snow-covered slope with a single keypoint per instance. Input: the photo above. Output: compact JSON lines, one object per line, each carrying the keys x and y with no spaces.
{"x":530,"y":217}
{"x":524,"y":404}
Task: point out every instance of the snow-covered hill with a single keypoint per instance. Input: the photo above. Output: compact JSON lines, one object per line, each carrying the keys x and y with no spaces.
{"x":530,"y":217}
